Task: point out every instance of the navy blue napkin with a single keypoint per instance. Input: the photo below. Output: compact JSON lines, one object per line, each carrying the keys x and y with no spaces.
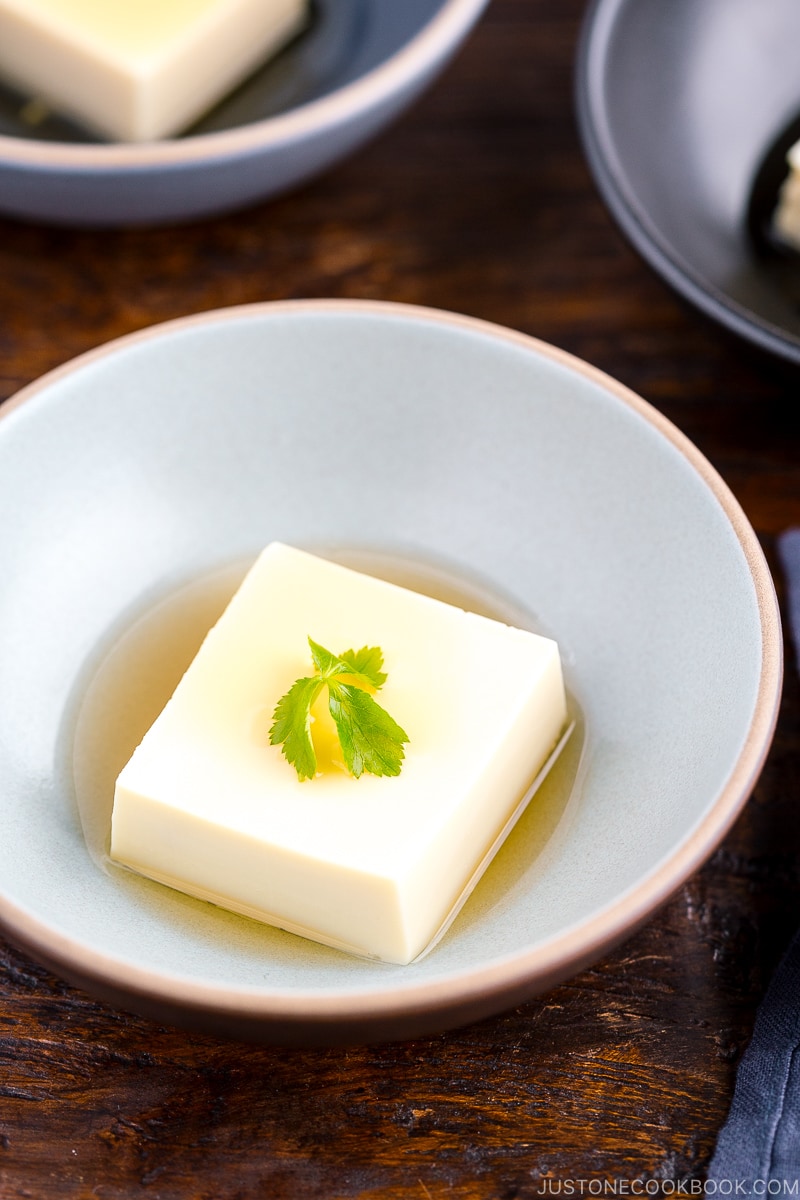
{"x":758,"y":1149}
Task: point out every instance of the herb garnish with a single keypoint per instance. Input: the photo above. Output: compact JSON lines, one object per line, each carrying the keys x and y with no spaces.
{"x":371,"y":740}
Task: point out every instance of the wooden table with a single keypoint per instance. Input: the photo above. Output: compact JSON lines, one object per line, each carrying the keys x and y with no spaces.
{"x":478,"y":200}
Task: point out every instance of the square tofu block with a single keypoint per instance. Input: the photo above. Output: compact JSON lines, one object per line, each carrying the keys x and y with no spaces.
{"x":140,"y":70}
{"x":372,"y":865}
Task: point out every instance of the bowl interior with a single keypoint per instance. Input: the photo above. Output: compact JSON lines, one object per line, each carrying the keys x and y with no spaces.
{"x":680,"y":105}
{"x":492,"y":463}
{"x":344,"y":40}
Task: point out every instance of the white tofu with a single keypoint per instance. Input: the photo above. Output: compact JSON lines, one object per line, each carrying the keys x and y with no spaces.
{"x":139,"y":70}
{"x":373,"y":865}
{"x":786,"y":218}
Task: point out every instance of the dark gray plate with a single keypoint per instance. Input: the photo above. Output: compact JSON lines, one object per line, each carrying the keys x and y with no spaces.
{"x":681,"y":105}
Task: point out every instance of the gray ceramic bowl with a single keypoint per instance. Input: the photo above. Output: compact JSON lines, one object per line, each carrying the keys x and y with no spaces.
{"x":356,"y":67}
{"x":136,"y":481}
{"x":680,"y":105}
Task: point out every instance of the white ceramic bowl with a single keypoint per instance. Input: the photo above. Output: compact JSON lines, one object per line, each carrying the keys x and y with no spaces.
{"x":360,"y":63}
{"x":510,"y":474}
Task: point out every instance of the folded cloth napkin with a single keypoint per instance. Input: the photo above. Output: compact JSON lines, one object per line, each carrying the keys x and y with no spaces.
{"x":758,"y":1149}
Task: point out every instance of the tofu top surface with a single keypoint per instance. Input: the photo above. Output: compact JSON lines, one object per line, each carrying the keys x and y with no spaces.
{"x":121,"y":30}
{"x":456,"y":683}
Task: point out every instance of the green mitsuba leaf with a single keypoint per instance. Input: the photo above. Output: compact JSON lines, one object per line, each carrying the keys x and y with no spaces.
{"x":291,"y":725}
{"x":370,"y":738}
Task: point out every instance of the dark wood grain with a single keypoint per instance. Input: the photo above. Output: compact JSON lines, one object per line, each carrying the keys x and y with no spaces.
{"x":478,"y":200}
